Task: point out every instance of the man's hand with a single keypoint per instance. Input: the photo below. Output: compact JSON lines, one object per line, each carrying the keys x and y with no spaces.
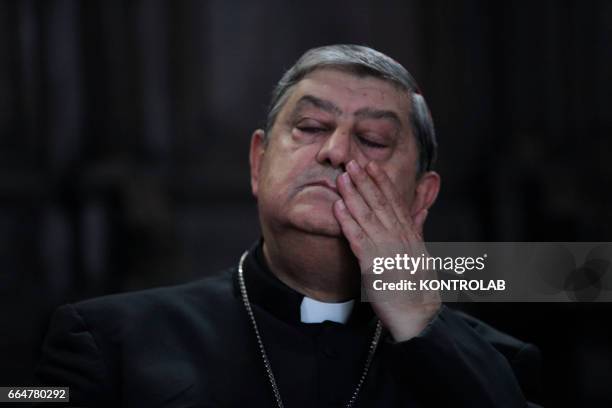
{"x":377,"y":223}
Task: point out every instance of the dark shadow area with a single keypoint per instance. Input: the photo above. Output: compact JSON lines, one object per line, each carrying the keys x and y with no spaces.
{"x":124,"y":132}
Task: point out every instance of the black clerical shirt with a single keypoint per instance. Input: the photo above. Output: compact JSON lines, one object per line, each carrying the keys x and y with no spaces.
{"x":193,"y":345}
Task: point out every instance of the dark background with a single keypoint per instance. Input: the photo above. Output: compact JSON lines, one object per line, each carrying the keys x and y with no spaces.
{"x":124,"y":130}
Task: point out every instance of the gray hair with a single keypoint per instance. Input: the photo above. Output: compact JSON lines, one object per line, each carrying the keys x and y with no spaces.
{"x":362,"y":61}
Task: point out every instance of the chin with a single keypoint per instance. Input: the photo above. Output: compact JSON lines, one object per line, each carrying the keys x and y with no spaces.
{"x":310,"y":211}
{"x":316,"y":221}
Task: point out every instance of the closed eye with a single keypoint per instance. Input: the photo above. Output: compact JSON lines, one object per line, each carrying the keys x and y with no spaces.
{"x":371,"y":144}
{"x":311,"y":129}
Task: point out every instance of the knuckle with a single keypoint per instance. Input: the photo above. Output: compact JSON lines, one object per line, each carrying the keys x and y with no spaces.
{"x":379,"y":176}
{"x":380,"y":201}
{"x":368,"y":216}
{"x":360,"y":237}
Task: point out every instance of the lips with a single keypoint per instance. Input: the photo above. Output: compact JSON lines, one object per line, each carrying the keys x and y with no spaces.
{"x":323,"y":183}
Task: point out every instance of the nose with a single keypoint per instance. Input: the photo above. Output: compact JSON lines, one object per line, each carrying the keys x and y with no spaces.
{"x":336,"y":150}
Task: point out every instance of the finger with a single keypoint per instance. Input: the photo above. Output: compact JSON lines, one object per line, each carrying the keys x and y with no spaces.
{"x":356,"y":205}
{"x":390,"y":191}
{"x":372,"y":194}
{"x":353,"y":232}
{"x":419,"y":222}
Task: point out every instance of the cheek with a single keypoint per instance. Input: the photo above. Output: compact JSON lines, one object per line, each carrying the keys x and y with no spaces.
{"x":403,"y":178}
{"x":403,"y":166}
{"x":282,"y":170}
{"x":405,"y":188}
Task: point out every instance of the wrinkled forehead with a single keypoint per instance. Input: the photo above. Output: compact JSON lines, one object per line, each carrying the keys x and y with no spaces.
{"x":352,"y":89}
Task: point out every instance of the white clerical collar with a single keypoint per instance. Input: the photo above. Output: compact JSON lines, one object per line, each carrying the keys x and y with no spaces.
{"x":313,"y":311}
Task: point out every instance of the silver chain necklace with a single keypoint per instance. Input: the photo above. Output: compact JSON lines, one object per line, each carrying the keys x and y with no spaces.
{"x":264,"y":356}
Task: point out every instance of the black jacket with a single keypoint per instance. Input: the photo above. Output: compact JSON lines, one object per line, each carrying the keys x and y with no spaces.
{"x":193,"y":346}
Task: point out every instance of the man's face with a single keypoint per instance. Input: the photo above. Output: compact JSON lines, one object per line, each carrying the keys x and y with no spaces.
{"x":330,"y":118}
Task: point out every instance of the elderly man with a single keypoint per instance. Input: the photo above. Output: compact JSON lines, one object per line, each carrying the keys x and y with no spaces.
{"x":341,"y":174}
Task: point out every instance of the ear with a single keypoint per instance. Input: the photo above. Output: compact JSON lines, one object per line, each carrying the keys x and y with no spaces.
{"x":426,"y":192}
{"x":256,"y":153}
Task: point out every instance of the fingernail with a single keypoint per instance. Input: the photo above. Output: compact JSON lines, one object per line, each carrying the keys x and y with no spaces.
{"x":341,"y":205}
{"x":353,"y":166}
{"x":345,"y":178}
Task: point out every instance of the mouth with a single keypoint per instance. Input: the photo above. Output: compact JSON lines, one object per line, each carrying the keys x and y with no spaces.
{"x":325,"y":184}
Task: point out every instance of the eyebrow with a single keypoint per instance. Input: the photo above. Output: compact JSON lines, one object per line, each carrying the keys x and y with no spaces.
{"x":322,"y":104}
{"x":368,"y":113}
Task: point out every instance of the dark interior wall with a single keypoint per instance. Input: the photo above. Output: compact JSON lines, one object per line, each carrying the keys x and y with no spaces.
{"x":124,"y":131}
